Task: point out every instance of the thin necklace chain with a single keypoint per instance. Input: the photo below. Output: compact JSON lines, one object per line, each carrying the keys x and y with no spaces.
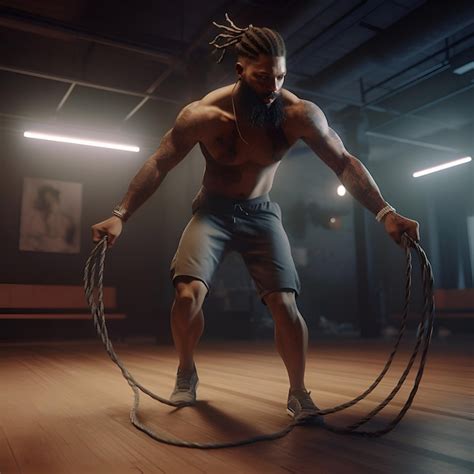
{"x":235,"y":115}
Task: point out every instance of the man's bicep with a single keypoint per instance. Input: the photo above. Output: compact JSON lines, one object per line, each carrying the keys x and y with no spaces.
{"x":322,"y":139}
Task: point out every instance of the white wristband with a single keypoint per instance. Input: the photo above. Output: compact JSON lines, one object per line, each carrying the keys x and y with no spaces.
{"x":121,"y":213}
{"x":383,"y":212}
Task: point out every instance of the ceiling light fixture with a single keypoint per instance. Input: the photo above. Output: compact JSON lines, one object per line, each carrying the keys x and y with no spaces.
{"x":80,"y":141}
{"x":444,"y":166}
{"x":464,"y":68}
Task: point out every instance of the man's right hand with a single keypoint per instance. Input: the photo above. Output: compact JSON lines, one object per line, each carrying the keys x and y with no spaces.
{"x":111,"y":227}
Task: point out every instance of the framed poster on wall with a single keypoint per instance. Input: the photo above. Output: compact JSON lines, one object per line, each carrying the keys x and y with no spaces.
{"x":50,"y":216}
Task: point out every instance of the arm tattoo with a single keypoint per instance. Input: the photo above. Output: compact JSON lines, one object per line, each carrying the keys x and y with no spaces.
{"x":142,"y":186}
{"x":154,"y":171}
{"x":351,"y":172}
{"x":357,"y":180}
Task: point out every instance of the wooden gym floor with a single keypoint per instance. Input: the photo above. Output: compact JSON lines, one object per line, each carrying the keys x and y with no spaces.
{"x":65,"y":407}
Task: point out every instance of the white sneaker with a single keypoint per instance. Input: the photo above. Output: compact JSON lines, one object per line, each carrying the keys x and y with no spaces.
{"x":301,"y":407}
{"x":184,"y":392}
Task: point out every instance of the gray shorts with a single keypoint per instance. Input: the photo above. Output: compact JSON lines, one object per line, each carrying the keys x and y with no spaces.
{"x":251,"y":227}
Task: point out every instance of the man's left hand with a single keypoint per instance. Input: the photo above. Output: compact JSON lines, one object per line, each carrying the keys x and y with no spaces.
{"x":396,"y":225}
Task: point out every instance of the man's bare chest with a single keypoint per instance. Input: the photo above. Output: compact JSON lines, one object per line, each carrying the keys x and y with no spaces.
{"x":257,"y":146}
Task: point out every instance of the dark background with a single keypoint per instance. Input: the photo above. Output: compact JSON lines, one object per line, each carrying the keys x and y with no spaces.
{"x":382,"y":71}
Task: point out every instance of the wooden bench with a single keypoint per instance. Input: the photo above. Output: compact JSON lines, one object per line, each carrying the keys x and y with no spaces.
{"x":454,"y":308}
{"x":451,"y":304}
{"x":52,"y":302}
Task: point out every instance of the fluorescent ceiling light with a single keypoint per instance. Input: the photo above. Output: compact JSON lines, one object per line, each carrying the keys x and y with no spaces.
{"x":464,"y":68}
{"x":80,"y":141}
{"x":444,"y":166}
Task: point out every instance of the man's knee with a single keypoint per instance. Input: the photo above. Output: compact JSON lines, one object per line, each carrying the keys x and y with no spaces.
{"x":282,"y":305}
{"x":190,"y":292}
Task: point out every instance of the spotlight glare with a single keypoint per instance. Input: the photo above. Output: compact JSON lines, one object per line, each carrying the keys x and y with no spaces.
{"x":80,"y":141}
{"x":332,"y":220}
{"x":444,"y":166}
{"x":341,"y":190}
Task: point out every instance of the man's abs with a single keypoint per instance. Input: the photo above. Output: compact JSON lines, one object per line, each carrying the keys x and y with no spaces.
{"x":241,"y":180}
{"x":237,"y":183}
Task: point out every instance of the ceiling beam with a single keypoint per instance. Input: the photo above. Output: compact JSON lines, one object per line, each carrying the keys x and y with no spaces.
{"x":92,"y":85}
{"x":202,"y":35}
{"x":409,"y":141}
{"x":443,"y":51}
{"x":412,"y":112}
{"x":411,"y":35}
{"x":20,"y":20}
{"x":65,"y":97}
{"x":348,"y":19}
{"x":356,"y":103}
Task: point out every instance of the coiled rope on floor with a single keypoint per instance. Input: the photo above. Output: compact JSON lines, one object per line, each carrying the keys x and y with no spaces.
{"x":93,"y":286}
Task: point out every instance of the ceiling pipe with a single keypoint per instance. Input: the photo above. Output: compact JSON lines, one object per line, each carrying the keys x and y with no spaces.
{"x":419,"y":30}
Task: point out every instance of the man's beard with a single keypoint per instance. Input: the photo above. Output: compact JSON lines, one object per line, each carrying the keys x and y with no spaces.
{"x":257,"y":112}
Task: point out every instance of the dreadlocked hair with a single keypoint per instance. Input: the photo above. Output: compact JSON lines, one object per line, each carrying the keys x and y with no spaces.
{"x":249,"y":42}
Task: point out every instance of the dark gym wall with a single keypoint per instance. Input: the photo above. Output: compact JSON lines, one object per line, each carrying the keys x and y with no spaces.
{"x":138,"y":264}
{"x":441,"y":203}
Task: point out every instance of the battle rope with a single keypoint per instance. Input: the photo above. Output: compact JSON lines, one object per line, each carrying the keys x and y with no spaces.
{"x":93,"y":279}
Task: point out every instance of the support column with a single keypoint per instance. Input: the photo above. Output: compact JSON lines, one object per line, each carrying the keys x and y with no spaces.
{"x":357,"y":143}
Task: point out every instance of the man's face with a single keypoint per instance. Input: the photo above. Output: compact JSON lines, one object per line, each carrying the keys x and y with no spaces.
{"x":265,"y":75}
{"x":261,"y":81}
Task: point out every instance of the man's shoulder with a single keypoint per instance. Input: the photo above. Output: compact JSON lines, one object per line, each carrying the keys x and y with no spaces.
{"x":197,"y":111}
{"x":289,"y":98}
{"x":218,"y":97}
{"x":200,"y":115}
{"x":210,"y":108}
{"x":303,"y":115}
{"x":298,"y":108}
